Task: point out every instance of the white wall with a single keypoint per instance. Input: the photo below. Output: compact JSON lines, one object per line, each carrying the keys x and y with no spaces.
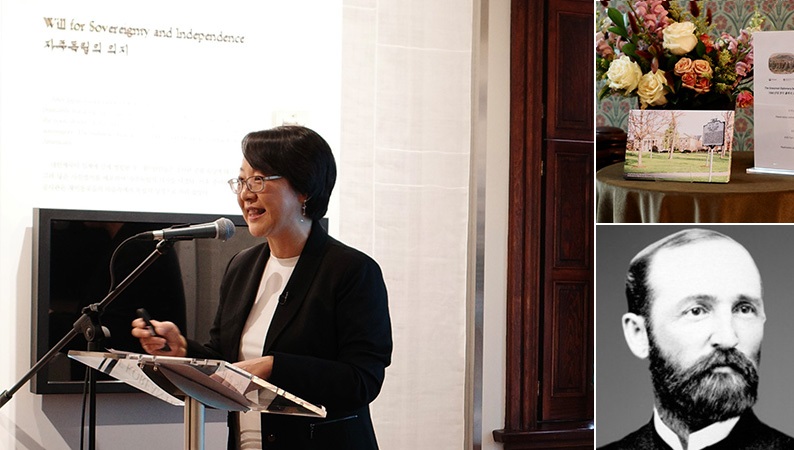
{"x":497,"y":120}
{"x":403,"y":143}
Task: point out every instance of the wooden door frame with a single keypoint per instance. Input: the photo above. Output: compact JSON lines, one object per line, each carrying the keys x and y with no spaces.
{"x":524,"y":283}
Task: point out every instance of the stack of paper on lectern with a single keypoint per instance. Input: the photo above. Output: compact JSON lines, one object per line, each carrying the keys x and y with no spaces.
{"x":214,"y":383}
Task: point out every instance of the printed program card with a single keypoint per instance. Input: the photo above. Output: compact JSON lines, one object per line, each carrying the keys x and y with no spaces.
{"x":773,"y":87}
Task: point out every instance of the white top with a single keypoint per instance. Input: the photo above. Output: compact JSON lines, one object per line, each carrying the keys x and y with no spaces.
{"x":699,"y":439}
{"x":274,"y":279}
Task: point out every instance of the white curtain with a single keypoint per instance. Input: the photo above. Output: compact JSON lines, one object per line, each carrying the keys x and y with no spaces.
{"x":403,"y":193}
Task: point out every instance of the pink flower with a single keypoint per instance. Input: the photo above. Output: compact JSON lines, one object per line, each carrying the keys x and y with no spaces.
{"x":742,"y":68}
{"x":744,"y":37}
{"x":603,"y":48}
{"x":744,"y":99}
{"x":659,"y":10}
{"x":653,"y":15}
{"x":733,"y":44}
{"x":749,"y":59}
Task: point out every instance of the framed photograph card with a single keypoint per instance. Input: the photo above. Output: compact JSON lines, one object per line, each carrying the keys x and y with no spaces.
{"x":678,"y":145}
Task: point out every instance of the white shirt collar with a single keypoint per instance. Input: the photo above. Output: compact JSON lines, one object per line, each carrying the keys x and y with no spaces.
{"x":698,"y":440}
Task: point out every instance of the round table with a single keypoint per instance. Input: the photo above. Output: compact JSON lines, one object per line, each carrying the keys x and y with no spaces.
{"x":745,"y":198}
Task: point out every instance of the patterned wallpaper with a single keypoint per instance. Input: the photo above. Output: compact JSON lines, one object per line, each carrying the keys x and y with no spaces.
{"x":731,"y":16}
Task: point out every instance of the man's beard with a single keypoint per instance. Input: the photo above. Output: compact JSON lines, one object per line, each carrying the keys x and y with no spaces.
{"x":698,"y":396}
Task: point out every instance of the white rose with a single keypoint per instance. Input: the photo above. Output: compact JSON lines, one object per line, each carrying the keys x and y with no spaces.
{"x":651,"y":89}
{"x":624,"y":74}
{"x":679,"y":38}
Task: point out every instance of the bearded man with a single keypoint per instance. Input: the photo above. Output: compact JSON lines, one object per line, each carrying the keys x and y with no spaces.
{"x":696,"y":312}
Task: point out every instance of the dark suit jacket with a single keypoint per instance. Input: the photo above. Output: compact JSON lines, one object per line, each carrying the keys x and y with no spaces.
{"x":748,"y":434}
{"x":330,"y":338}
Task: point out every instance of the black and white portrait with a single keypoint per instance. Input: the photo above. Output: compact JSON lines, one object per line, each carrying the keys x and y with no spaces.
{"x":694,"y":337}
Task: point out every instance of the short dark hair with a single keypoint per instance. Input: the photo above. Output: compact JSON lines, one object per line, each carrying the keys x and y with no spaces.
{"x":638,"y":293}
{"x":299,"y":155}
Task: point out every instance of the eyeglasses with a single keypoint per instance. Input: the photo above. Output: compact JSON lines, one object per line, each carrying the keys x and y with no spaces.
{"x":254,"y":184}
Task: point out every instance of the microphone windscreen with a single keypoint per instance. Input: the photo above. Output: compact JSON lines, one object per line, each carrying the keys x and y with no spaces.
{"x":225,"y":228}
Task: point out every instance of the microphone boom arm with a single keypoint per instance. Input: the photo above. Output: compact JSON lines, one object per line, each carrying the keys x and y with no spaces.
{"x":86,"y":320}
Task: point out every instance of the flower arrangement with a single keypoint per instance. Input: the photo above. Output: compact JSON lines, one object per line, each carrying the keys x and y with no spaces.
{"x":666,"y":57}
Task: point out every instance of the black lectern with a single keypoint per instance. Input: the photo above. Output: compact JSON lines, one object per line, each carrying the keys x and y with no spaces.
{"x":196,"y":383}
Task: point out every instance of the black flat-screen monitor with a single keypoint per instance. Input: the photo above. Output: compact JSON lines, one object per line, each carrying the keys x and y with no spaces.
{"x":72,"y":251}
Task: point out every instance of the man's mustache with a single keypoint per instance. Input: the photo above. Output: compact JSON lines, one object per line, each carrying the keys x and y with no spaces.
{"x":720,"y":357}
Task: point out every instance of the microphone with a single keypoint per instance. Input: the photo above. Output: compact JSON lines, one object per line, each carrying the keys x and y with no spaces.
{"x":222,"y":229}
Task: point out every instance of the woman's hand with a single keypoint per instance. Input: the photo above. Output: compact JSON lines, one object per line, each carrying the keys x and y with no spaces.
{"x":168,"y":334}
{"x":261,"y":367}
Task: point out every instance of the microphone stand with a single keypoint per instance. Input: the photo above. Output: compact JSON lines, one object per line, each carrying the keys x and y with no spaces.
{"x":89,"y":326}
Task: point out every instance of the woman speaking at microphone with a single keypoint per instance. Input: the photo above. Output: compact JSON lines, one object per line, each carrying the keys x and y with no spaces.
{"x":300,"y":310}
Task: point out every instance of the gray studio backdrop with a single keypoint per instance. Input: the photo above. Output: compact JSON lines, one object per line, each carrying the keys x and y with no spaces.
{"x":624,"y":400}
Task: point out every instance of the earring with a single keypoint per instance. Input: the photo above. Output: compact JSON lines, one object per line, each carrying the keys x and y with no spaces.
{"x":303,"y":210}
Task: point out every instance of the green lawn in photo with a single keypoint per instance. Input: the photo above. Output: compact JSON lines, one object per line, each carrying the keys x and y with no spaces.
{"x":679,"y":167}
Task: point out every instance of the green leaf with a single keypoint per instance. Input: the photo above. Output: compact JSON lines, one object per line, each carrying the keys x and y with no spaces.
{"x":618,"y":31}
{"x":629,"y":49}
{"x":700,"y":49}
{"x":617,"y":18}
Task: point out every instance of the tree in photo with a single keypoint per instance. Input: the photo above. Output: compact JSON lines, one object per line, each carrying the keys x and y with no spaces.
{"x":671,"y":135}
{"x":727,"y":147}
{"x":644,"y":126}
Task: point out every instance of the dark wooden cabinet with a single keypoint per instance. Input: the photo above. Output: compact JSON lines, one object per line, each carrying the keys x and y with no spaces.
{"x":550,"y":269}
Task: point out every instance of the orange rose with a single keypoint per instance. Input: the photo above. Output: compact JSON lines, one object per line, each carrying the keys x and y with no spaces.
{"x":702,"y":68}
{"x":684,"y":65}
{"x":702,"y":85}
{"x":689,"y":79}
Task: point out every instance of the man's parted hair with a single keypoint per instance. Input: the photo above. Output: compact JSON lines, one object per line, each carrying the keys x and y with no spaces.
{"x":638,"y":293}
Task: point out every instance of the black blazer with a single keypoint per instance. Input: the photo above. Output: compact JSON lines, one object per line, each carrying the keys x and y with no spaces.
{"x":749,"y":433}
{"x":330,"y":337}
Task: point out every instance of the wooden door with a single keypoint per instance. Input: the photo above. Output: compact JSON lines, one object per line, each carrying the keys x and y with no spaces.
{"x":549,"y":382}
{"x":567,"y":388}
